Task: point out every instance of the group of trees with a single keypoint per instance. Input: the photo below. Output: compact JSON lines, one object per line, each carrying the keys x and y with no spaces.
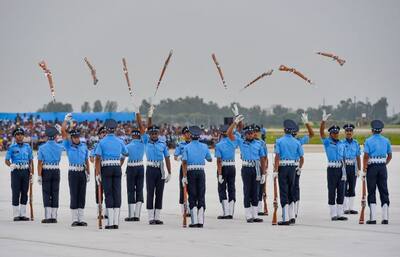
{"x":194,"y":110}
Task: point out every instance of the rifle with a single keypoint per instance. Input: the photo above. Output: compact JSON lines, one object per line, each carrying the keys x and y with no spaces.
{"x":92,"y":71}
{"x":100,"y":197}
{"x":363,"y":202}
{"x":274,"y":215}
{"x":49,"y":76}
{"x":268,"y":73}
{"x":221,"y":74}
{"x":125,"y":69}
{"x":185,"y":206}
{"x":265,"y":198}
{"x":31,"y":197}
{"x":163,"y":71}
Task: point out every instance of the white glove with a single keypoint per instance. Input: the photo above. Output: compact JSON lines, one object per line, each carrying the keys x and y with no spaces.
{"x":13,"y":166}
{"x":358,"y":173}
{"x":184,"y":181}
{"x":220,"y":179}
{"x":168,"y":178}
{"x":304,"y":118}
{"x":68,"y":117}
{"x":150,"y":112}
{"x":31,"y":179}
{"x":275,"y":174}
{"x":58,"y":127}
{"x":238,"y":119}
{"x":98,"y":179}
{"x":298,"y":171}
{"x":325,"y":116}
{"x":39,"y":180}
{"x":87,"y":177}
{"x":235,"y":110}
{"x":263,"y":178}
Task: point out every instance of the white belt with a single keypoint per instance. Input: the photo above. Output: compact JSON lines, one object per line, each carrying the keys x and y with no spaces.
{"x":110,"y":163}
{"x":21,"y":166}
{"x":135,"y":163}
{"x":337,"y":164}
{"x":195,"y":167}
{"x":228,"y":163}
{"x":248,"y":163}
{"x":288,"y":163}
{"x":350,"y":162}
{"x":76,"y":168}
{"x":50,"y":166}
{"x":155,"y":164}
{"x":376,"y":160}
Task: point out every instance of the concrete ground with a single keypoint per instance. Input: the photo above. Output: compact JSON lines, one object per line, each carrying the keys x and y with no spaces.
{"x":313,"y":235}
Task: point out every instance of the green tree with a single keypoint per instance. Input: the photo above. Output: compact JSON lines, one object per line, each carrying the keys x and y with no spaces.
{"x":97,"y":106}
{"x":86,"y":107}
{"x":379,"y":109}
{"x":111,"y":106}
{"x":56,"y":107}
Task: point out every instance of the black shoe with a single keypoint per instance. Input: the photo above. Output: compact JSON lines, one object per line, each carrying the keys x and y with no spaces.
{"x":52,"y":220}
{"x":105,"y":217}
{"x":83,"y":224}
{"x":200,"y":225}
{"x":292,"y":221}
{"x":152,"y":222}
{"x":336,"y":218}
{"x":229,"y":217}
{"x":221,"y":217}
{"x":371,"y":222}
{"x":22,"y":218}
{"x":193,"y":225}
{"x":158,"y":222}
{"x":284,"y":223}
{"x":129,"y":219}
{"x":385,"y":222}
{"x":251,"y":220}
{"x":188,"y":215}
{"x":136,"y":219}
{"x":353,"y":212}
{"x":17,"y":219}
{"x":261,"y":214}
{"x":342,"y":218}
{"x":46,"y":221}
{"x":116,"y":226}
{"x":75,"y":224}
{"x":109,"y":227}
{"x":347,"y":212}
{"x":258,"y":220}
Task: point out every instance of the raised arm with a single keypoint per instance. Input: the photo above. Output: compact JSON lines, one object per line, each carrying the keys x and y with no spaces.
{"x":140,"y":124}
{"x":150,"y":116}
{"x":325,"y":117}
{"x":238,"y":119}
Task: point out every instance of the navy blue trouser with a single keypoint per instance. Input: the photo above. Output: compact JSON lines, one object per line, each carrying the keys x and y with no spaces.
{"x":250,"y":187}
{"x":111,"y":182}
{"x":377,"y":176}
{"x":19,"y":186}
{"x":77,"y":189}
{"x":155,"y":187}
{"x":335,"y":186}
{"x":197,"y":188}
{"x":351,"y":178}
{"x":261,"y":192}
{"x":229,"y":176}
{"x":286,"y":178}
{"x":50,"y":187}
{"x":134,"y":184}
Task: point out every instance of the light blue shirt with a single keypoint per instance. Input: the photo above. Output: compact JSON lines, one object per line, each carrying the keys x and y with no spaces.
{"x":334,"y":150}
{"x":180,"y":147}
{"x":263,"y":144}
{"x":50,"y":152}
{"x":250,"y":150}
{"x":19,"y":153}
{"x":77,"y":154}
{"x":304,"y":139}
{"x":136,"y":148}
{"x":195,"y":153}
{"x":111,"y":148}
{"x":351,"y":149}
{"x":288,"y":148}
{"x":377,"y":146}
{"x":156,"y":151}
{"x":225,"y":149}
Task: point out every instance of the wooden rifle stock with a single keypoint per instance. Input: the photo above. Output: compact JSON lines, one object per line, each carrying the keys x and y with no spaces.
{"x":363,"y":202}
{"x":100,"y":197}
{"x":265,"y":198}
{"x":185,"y":206}
{"x":31,"y":197}
{"x":274,"y":216}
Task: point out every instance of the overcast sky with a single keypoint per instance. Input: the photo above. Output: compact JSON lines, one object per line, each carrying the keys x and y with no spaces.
{"x":248,"y":38}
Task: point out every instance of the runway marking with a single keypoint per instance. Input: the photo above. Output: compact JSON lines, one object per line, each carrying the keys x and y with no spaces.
{"x":75,"y":246}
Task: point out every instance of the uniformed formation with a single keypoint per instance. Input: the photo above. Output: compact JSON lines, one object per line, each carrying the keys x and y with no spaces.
{"x":344,"y":166}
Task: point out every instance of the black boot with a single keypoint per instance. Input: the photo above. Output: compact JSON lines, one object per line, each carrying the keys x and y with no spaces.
{"x":371,"y":222}
{"x":75,"y":224}
{"x":284,"y":223}
{"x":385,"y":222}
